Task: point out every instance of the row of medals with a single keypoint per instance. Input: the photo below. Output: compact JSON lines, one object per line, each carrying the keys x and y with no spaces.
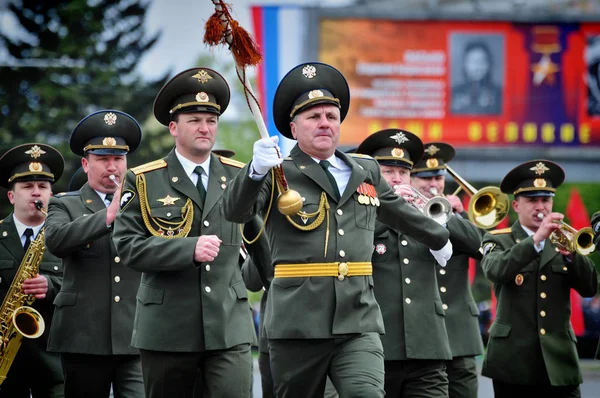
{"x":367,"y":195}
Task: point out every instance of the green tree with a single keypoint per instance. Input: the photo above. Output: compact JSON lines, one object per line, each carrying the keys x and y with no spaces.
{"x":67,"y":59}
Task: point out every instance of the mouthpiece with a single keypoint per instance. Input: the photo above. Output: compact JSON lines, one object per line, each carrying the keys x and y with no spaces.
{"x":114,"y":179}
{"x":433,"y":191}
{"x":40,"y":207}
{"x":540,"y":216}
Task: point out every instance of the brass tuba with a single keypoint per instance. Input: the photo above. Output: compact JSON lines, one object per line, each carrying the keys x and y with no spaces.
{"x":17,"y":319}
{"x":568,"y":238}
{"x":487,"y":207}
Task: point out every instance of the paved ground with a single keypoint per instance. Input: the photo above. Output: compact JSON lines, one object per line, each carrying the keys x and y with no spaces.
{"x":589,"y":389}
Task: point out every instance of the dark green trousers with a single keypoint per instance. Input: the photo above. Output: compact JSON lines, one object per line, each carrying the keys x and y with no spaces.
{"x":416,"y":378}
{"x":224,"y":373}
{"x":462,"y":377}
{"x":354,"y":363}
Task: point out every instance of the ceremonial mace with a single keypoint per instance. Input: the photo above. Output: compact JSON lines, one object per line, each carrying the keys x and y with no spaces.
{"x":221,"y":28}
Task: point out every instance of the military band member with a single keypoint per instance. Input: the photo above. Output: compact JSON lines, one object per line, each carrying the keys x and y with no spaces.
{"x":415,"y":343}
{"x":462,"y":313}
{"x":28,"y":172}
{"x":532,"y":347}
{"x":193,"y":314}
{"x":93,"y":320}
{"x":322,"y":316}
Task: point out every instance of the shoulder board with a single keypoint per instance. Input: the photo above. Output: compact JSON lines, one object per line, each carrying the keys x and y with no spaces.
{"x":231,"y":162}
{"x":157,"y":164}
{"x":287,"y":158}
{"x":501,"y":231}
{"x":71,"y":193}
{"x":360,"y":155}
{"x":1,"y":221}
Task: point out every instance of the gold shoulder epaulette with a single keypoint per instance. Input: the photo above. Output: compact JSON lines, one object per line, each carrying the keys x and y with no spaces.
{"x":360,"y":155}
{"x":501,"y":231}
{"x":157,"y":164}
{"x":231,"y":162}
{"x":287,"y":158}
{"x":61,"y":194}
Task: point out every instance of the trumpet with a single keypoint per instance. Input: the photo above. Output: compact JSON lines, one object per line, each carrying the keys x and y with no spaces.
{"x":114,"y":179}
{"x":437,"y":208}
{"x":487,"y":207}
{"x":568,"y":238}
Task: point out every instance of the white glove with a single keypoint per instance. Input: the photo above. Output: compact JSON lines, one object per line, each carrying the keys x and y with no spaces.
{"x":443,"y":255}
{"x":266,"y":155}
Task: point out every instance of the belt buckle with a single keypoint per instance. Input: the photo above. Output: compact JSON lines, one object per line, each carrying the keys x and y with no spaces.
{"x":342,"y":271}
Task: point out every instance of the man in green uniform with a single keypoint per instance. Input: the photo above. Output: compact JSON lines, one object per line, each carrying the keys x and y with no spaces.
{"x":532,"y":347}
{"x":596,"y":229}
{"x":416,"y":341}
{"x":462,"y":322}
{"x":28,"y":171}
{"x":193,"y":311}
{"x":322,"y":316}
{"x":93,"y":320}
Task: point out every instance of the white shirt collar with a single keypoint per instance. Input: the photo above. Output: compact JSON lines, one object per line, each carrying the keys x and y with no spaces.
{"x":189,"y":166}
{"x":22,"y":227}
{"x":334,"y":162}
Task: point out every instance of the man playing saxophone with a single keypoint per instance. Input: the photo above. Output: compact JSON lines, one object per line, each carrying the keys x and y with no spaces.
{"x":532,"y":347}
{"x":28,"y":171}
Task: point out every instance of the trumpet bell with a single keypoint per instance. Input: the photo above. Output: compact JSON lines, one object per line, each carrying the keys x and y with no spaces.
{"x":568,"y":238}
{"x":438,"y":209}
{"x":488,"y":207}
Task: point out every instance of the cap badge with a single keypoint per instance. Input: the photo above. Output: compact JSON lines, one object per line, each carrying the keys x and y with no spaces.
{"x":35,"y":152}
{"x":539,"y":183}
{"x":202,"y":76}
{"x":202,"y":97}
{"x":309,"y":71}
{"x":399,"y":137}
{"x":109,"y":141}
{"x":35,"y":167}
{"x":315,"y":94}
{"x":431,"y":163}
{"x":539,"y":168}
{"x":397,"y":153}
{"x":110,"y":118}
{"x":432,"y":150}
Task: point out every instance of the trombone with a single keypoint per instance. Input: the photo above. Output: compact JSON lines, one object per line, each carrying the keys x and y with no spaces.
{"x":568,"y":238}
{"x":487,"y":207}
{"x":437,"y":208}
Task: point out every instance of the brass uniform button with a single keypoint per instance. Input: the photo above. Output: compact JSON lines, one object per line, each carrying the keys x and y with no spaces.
{"x":206,"y":223}
{"x":445,"y":306}
{"x":405,"y":261}
{"x":442,"y":272}
{"x":543,"y":295}
{"x":543,"y":314}
{"x":408,"y":301}
{"x":565,"y":268}
{"x":443,"y":289}
{"x":207,"y":267}
{"x":543,"y":277}
{"x":407,"y":280}
{"x":117,"y":259}
{"x":542,"y":331}
{"x":404,"y":243}
{"x":339,"y":212}
{"x":342,"y":253}
{"x":341,"y":232}
{"x":117,"y":299}
{"x":207,"y":289}
{"x":117,"y":279}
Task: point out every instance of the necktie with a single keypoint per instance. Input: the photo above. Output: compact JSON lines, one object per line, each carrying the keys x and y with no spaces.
{"x":201,"y":190}
{"x":108,"y":198}
{"x":325,"y":165}
{"x":28,"y":234}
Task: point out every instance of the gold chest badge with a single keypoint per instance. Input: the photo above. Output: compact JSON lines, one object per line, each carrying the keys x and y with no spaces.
{"x":519,"y":279}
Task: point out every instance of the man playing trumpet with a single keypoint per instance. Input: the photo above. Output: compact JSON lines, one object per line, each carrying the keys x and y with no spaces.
{"x":462,"y":322}
{"x":416,"y":343}
{"x":532,"y":350}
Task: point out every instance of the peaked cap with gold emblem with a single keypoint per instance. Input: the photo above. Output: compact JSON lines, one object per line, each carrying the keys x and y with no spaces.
{"x":30,"y":162}
{"x":193,"y":90}
{"x":433,"y":162}
{"x":106,"y":132}
{"x":393,"y":147}
{"x":305,"y":86}
{"x":533,"y":178}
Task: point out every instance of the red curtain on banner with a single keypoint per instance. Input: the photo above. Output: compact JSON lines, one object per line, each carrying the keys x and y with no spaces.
{"x":578,"y":218}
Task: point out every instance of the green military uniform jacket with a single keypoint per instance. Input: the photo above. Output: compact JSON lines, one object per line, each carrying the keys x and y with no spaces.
{"x":95,"y":307}
{"x":325,"y":307}
{"x":531,"y":339}
{"x":596,"y":226}
{"x":183,"y":306}
{"x":33,"y":353}
{"x":462,"y":313}
{"x":407,"y":292}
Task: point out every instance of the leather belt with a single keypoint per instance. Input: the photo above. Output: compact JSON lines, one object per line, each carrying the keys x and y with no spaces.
{"x":340,"y":270}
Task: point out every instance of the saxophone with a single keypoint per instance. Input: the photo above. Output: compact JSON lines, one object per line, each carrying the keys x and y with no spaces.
{"x":17,"y":319}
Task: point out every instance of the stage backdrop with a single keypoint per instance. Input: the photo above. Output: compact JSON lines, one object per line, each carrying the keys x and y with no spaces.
{"x":467,"y":83}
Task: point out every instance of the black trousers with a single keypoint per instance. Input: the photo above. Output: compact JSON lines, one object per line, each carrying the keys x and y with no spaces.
{"x":223,"y":373}
{"x":462,"y":377}
{"x":91,"y":376}
{"x":416,"y":378}
{"x":507,"y":390}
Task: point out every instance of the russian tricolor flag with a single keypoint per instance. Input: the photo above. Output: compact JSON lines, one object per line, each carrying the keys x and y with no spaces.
{"x":278,"y":30}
